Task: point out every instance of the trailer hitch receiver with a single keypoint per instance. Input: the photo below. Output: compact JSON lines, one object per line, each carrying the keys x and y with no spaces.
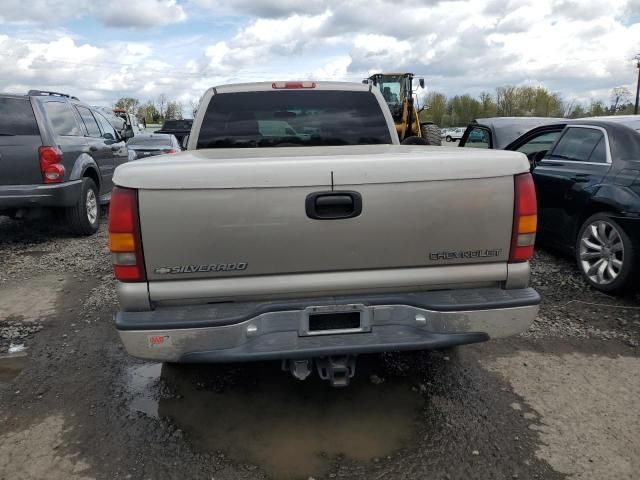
{"x":337,"y":370}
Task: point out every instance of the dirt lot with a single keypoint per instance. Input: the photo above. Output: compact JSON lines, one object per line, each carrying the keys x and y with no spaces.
{"x":560,"y":401}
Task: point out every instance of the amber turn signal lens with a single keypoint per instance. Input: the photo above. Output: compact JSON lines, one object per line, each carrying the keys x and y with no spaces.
{"x":122,"y":242}
{"x":527,"y":223}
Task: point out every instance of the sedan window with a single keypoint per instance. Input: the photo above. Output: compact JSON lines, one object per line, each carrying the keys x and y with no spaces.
{"x":542,"y":142}
{"x":580,"y":145}
{"x":478,"y":138}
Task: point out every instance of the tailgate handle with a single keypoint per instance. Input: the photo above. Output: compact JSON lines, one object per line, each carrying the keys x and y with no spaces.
{"x":333,"y":205}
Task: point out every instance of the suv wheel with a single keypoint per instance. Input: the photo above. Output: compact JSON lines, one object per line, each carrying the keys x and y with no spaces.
{"x":84,"y":217}
{"x":605,"y":254}
{"x":448,"y":138}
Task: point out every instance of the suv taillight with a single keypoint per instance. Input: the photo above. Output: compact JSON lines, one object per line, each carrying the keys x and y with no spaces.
{"x":124,"y":236}
{"x":525,"y":219}
{"x":52,"y":170}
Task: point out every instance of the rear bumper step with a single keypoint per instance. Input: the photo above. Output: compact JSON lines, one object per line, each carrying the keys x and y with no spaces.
{"x":280,"y":330}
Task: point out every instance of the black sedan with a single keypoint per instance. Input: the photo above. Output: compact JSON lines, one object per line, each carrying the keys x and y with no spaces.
{"x":587,"y":176}
{"x":148,"y":145}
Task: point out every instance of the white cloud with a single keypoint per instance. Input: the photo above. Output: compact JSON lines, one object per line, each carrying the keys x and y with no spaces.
{"x":142,"y":13}
{"x":95,"y":74}
{"x":114,"y":13}
{"x":265,"y":8}
{"x":266,"y":38}
{"x":580,"y":48}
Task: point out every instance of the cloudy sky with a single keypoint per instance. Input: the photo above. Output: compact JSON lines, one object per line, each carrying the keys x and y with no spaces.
{"x":100,"y":51}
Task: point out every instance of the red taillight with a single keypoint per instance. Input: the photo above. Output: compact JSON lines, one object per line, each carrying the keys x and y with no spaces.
{"x":525,"y":219}
{"x":172,"y":150}
{"x":124,"y":236}
{"x":292,"y":85}
{"x":52,"y":170}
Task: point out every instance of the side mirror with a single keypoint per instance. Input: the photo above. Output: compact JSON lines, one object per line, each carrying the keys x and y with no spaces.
{"x":128,"y":133}
{"x":421,"y":82}
{"x":108,"y":136}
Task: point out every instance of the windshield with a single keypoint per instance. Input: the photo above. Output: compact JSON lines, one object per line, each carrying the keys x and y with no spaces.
{"x":391,"y":88}
{"x":293,"y":118}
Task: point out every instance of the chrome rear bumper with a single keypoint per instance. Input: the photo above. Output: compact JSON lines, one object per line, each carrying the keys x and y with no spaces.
{"x":229,"y":333}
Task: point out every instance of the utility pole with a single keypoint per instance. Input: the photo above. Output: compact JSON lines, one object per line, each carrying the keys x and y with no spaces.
{"x":635,"y":109}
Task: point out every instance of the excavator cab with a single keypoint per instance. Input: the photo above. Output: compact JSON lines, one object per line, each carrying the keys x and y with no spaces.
{"x":397,"y":90}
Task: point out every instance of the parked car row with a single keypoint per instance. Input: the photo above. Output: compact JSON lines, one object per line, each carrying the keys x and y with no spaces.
{"x":587,"y":177}
{"x":57,"y":152}
{"x":452,"y":134}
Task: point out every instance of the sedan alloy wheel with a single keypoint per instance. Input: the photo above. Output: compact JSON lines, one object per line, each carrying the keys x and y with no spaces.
{"x":601,"y":252}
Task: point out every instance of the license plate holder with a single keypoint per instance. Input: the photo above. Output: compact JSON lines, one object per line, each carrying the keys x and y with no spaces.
{"x":335,"y":320}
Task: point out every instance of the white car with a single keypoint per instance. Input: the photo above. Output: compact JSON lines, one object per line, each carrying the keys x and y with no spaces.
{"x":452,"y":134}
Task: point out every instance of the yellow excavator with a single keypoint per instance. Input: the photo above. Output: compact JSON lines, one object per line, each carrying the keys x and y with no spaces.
{"x":397,"y":90}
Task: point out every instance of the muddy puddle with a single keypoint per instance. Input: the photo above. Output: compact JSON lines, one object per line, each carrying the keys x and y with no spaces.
{"x":258,"y":414}
{"x":11,"y":365}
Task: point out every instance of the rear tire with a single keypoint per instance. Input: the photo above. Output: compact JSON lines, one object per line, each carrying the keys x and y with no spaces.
{"x":431,"y":133}
{"x":605,"y":254}
{"x":84,"y":217}
{"x":448,"y":139}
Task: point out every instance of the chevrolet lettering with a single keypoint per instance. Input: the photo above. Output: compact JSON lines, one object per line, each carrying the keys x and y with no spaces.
{"x":465,"y":254}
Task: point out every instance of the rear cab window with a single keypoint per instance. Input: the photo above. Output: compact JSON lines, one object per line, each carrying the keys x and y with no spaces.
{"x":581,"y":144}
{"x":293,"y":118}
{"x":17,"y":117}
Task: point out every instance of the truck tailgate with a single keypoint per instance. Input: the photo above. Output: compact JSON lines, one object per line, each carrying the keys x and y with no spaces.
{"x":222,"y":220}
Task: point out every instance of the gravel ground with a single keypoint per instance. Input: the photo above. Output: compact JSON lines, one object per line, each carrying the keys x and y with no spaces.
{"x":559,"y":401}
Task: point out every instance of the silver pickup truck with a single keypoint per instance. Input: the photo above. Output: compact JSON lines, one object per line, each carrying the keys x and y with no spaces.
{"x":250,"y":247}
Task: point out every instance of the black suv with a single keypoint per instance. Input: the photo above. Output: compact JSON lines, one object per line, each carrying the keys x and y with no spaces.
{"x":57,"y":152}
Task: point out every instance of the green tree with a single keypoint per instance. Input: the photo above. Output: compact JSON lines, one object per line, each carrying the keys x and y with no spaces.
{"x":506,"y":101}
{"x":464,"y":109}
{"x":596,"y":108}
{"x":620,"y":98}
{"x":128,"y":104}
{"x":436,"y":107}
{"x":577,"y":111}
{"x":489,"y":108}
{"x":149,"y":112}
{"x":173,"y":111}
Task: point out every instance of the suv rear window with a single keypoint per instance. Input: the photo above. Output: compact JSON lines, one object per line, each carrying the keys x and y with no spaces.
{"x":17,"y":118}
{"x":293,"y":118}
{"x":62,"y":119}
